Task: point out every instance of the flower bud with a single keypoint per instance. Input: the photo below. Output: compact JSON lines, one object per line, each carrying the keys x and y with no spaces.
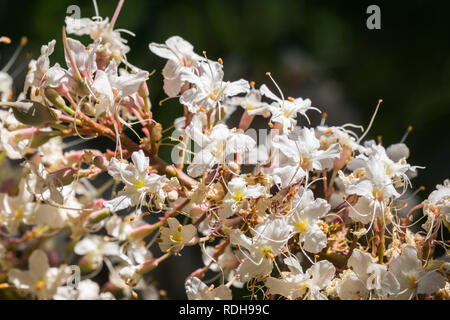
{"x":53,"y":96}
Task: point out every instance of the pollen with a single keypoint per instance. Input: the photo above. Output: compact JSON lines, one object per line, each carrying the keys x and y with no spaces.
{"x":238,"y":246}
{"x":410,"y":128}
{"x":328,"y":131}
{"x":252,"y":83}
{"x":220,"y":60}
{"x":291,"y":99}
{"x":4,"y":285}
{"x":135,"y":295}
{"x":270,"y":124}
{"x":268,"y":73}
{"x":324,"y":115}
{"x":201,"y":109}
{"x":380,"y":100}
{"x":180,"y":228}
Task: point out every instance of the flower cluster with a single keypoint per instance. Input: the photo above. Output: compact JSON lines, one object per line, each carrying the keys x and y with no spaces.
{"x":318,"y":214}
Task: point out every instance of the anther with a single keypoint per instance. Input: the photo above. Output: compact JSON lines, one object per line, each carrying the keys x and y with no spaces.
{"x":159,"y":240}
{"x":268,"y":73}
{"x":238,"y":246}
{"x":5,"y":40}
{"x":252,"y":83}
{"x":180,"y":228}
{"x":135,"y":295}
{"x":270,"y":124}
{"x":220,"y":60}
{"x":23,"y":41}
{"x":291,"y":99}
{"x":328,"y":131}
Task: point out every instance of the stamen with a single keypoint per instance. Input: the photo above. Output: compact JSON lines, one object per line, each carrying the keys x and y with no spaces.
{"x":371,"y":121}
{"x":324,"y":117}
{"x":13,"y":59}
{"x":220,"y":60}
{"x":406,"y":134}
{"x":276,"y":85}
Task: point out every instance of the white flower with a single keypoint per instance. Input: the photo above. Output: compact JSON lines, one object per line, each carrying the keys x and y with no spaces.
{"x":15,"y":210}
{"x":40,"y":280}
{"x":93,"y":247}
{"x":304,"y":220}
{"x":217,"y":147}
{"x":372,"y":277}
{"x":437,"y":207}
{"x":210,"y":89}
{"x":86,"y":290}
{"x":176,"y":235}
{"x":375,"y":188}
{"x":296,"y":284}
{"x":15,"y":143}
{"x":109,"y":86}
{"x":131,"y":275}
{"x":197,"y":290}
{"x":137,"y":181}
{"x":298,"y":157}
{"x":267,"y":242}
{"x":180,"y":55}
{"x":285,"y":111}
{"x":100,"y":28}
{"x":412,"y":277}
{"x":251,"y":103}
{"x":238,"y":193}
{"x":37,"y":72}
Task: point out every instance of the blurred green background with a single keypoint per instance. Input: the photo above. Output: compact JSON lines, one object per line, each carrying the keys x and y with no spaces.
{"x":320,"y":50}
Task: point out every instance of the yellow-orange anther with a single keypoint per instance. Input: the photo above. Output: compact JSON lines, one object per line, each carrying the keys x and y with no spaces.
{"x":252,"y":83}
{"x":291,"y":99}
{"x":23,"y":41}
{"x":180,"y":228}
{"x":410,"y":128}
{"x":268,"y":73}
{"x":5,"y":40}
{"x":220,"y":60}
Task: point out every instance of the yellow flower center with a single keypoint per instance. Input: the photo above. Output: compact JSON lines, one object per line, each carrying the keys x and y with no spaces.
{"x":177,"y":237}
{"x":40,"y":285}
{"x":267,"y":252}
{"x":238,"y":195}
{"x":412,"y":281}
{"x":139,"y":184}
{"x":302,"y":225}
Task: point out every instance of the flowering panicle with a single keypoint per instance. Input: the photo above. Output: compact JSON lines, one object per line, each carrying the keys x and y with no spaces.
{"x":321,"y":214}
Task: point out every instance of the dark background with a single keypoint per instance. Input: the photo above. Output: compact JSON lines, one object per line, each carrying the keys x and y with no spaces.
{"x":320,"y":50}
